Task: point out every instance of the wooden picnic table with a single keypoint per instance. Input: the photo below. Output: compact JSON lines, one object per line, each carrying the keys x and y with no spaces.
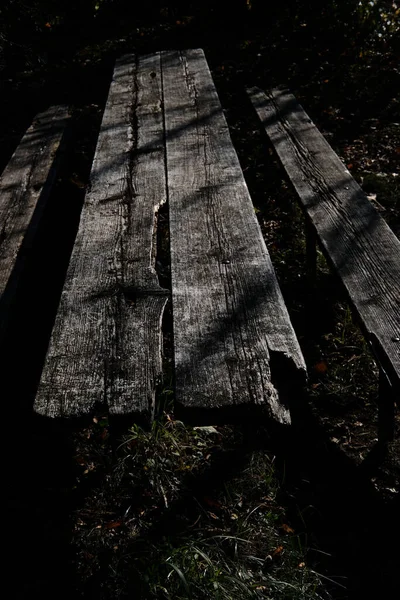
{"x":164,"y":139}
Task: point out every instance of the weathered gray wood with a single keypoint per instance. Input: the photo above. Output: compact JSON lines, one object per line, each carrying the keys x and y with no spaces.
{"x":356,"y":240}
{"x":25,"y":187}
{"x":230,"y":322}
{"x":106,"y":342}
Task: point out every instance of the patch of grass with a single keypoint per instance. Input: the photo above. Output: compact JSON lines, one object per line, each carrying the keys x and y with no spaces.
{"x":191,"y":512}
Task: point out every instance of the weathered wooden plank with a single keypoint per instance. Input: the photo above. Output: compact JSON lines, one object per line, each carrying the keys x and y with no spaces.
{"x":230,"y":322}
{"x":106,"y":342}
{"x":357,"y":241}
{"x":25,"y":188}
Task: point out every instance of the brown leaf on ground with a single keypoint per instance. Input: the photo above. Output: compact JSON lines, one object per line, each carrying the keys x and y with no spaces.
{"x":321,"y":367}
{"x":113,"y":524}
{"x":277,"y":552}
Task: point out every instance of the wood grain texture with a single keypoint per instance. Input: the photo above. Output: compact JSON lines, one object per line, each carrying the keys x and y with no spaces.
{"x":361,"y":247}
{"x":25,"y":188}
{"x":106,"y":342}
{"x":230,"y":322}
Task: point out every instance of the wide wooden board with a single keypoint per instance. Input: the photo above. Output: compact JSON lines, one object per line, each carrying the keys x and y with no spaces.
{"x":106,"y":343}
{"x":355,"y":238}
{"x":25,"y":187}
{"x":231,"y":326}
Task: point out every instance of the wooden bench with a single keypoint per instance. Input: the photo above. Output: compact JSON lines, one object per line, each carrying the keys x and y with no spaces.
{"x":25,"y":188}
{"x":164,"y":139}
{"x":356,"y":241}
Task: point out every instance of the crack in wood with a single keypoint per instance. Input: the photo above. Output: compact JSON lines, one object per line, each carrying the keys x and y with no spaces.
{"x":323,"y":192}
{"x":106,"y":343}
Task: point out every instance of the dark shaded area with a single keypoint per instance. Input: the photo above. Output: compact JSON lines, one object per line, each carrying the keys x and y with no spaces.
{"x":329,"y":501}
{"x":341,"y":506}
{"x":316,"y":51}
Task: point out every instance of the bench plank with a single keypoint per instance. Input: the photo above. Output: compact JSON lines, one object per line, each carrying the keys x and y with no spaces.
{"x":106,"y":342}
{"x":230,"y":321}
{"x":25,"y":188}
{"x":357,"y":241}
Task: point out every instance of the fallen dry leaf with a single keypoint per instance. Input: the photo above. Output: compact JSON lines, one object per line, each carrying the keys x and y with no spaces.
{"x":113,"y":524}
{"x":321,"y":367}
{"x":277,"y":552}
